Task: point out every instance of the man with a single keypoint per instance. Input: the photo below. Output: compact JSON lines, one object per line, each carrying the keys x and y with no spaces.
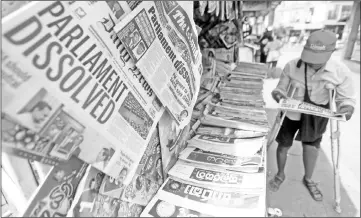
{"x":314,"y":70}
{"x":103,"y":158}
{"x":35,"y":117}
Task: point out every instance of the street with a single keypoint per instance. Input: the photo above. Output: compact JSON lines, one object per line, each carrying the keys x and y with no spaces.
{"x":292,"y":197}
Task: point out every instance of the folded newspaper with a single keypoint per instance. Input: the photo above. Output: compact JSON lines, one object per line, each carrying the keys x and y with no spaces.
{"x":224,"y":203}
{"x":227,"y":132}
{"x":162,"y":208}
{"x":230,"y":146}
{"x":163,"y":42}
{"x":307,"y":108}
{"x":216,"y":159}
{"x":92,"y":101}
{"x":209,"y":177}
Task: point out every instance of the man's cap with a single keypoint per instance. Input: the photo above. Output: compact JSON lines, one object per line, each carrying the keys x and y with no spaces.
{"x":319,"y":47}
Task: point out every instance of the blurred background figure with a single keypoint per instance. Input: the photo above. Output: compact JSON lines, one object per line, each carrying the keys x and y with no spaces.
{"x":273,"y":51}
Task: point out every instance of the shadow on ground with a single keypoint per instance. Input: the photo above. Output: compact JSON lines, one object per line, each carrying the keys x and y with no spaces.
{"x":293,"y":198}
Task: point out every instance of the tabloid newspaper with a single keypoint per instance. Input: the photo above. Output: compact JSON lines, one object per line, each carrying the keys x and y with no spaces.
{"x":92,"y":102}
{"x":230,"y":146}
{"x":88,"y":202}
{"x":55,"y":195}
{"x":163,"y":42}
{"x":229,"y":162}
{"x":206,"y":177}
{"x":210,"y":201}
{"x":307,"y":108}
{"x":172,"y":140}
{"x":161,"y":208}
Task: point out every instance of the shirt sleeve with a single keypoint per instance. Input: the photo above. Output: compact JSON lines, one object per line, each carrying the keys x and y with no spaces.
{"x":345,"y":92}
{"x":284,"y":81}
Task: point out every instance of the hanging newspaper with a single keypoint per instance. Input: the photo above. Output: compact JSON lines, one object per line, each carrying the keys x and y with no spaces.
{"x":205,"y":176}
{"x":218,"y":203}
{"x":163,"y":42}
{"x":161,"y":208}
{"x":215,"y":159}
{"x":89,"y":202}
{"x":307,"y":108}
{"x":140,"y":190}
{"x":64,"y":79}
{"x":55,"y":195}
{"x":172,"y":140}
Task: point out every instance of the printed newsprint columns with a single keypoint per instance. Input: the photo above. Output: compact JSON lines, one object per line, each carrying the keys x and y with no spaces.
{"x":209,"y":201}
{"x":64,"y":79}
{"x":55,"y":195}
{"x":307,"y":108}
{"x":163,"y":42}
{"x":207,"y":177}
{"x":161,"y":208}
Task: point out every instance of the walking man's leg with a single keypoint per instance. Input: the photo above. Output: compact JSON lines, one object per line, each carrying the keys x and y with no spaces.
{"x":310,"y":155}
{"x":285,"y":139}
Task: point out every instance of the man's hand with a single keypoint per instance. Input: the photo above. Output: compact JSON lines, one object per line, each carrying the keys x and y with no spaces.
{"x":277,"y":96}
{"x":348,"y":110}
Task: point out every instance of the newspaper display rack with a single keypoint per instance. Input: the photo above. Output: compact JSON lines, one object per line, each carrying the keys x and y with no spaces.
{"x":134,"y":116}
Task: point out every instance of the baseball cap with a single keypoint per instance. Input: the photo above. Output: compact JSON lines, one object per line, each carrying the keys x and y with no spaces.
{"x":319,"y":47}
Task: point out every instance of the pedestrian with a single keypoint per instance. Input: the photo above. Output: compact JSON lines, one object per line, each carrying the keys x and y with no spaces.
{"x":263,"y":42}
{"x":273,"y":52}
{"x":313,"y":70}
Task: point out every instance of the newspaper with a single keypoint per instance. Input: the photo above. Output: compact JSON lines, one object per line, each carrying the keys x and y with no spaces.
{"x":88,"y":202}
{"x":140,"y":190}
{"x":229,"y":162}
{"x":206,"y":177}
{"x":163,"y":42}
{"x":307,"y":108}
{"x":161,"y":208}
{"x":172,"y":140}
{"x":232,"y":122}
{"x":91,"y":102}
{"x":228,"y":132}
{"x":230,"y":146}
{"x":55,"y":195}
{"x":150,"y":166}
{"x":210,"y":201}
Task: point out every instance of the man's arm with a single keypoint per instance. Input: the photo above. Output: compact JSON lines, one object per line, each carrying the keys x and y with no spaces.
{"x":281,"y":90}
{"x":346,"y":96}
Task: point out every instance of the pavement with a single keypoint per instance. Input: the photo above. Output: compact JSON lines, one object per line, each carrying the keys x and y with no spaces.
{"x":293,"y":198}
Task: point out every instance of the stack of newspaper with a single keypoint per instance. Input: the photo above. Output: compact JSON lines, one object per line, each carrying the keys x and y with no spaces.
{"x":221,"y":171}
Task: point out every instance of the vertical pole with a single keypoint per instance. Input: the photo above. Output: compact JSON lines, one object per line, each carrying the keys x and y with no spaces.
{"x":354,"y":23}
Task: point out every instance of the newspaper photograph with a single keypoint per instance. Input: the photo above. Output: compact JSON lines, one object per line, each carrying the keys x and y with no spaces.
{"x":196,"y":155}
{"x":307,"y":108}
{"x":229,"y":146}
{"x":88,"y":202}
{"x":111,"y":187}
{"x":161,"y":208}
{"x":90,"y":104}
{"x":163,"y":42}
{"x":150,"y":166}
{"x":207,"y":177}
{"x":172,"y":140}
{"x":140,"y":191}
{"x":54,"y":196}
{"x":208,"y":200}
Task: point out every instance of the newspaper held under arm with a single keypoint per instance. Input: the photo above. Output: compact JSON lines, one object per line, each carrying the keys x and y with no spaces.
{"x":307,"y":108}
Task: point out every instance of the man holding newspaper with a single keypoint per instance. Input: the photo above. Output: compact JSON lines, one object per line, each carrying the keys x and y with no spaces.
{"x":311,"y":72}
